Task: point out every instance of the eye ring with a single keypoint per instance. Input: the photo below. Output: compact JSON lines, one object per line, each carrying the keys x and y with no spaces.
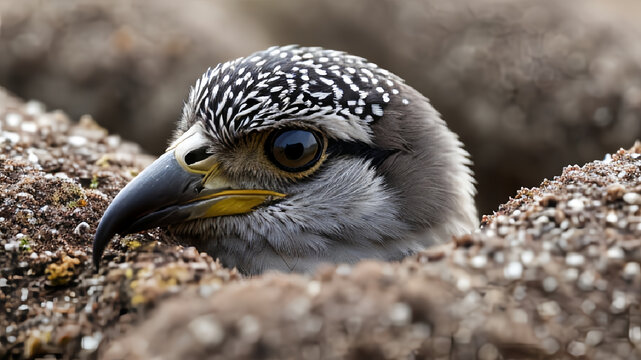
{"x":294,"y":150}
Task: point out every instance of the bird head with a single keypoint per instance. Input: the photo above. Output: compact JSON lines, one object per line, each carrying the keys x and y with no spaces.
{"x":296,"y":156}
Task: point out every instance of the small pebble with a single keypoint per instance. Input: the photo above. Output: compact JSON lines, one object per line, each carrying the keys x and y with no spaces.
{"x":313,"y":288}
{"x":29,"y":126}
{"x":206,"y":330}
{"x":463,"y":283}
{"x":588,"y":306}
{"x":9,"y":136}
{"x":343,"y":270}
{"x":91,"y":342}
{"x":488,"y":352}
{"x":550,"y":284}
{"x":576,"y":348}
{"x":11,"y":246}
{"x":548,"y":309}
{"x":634,"y":334}
{"x":594,"y":337}
{"x":400,"y":314}
{"x":619,"y":302}
{"x":576,"y":204}
{"x":631,"y":270}
{"x":632,"y":198}
{"x":33,"y":157}
{"x":513,"y":270}
{"x":82,"y":228}
{"x":33,"y":107}
{"x":615,"y":253}
{"x":574,"y":259}
{"x":527,"y":256}
{"x":478,"y":261}
{"x":77,"y":141}
{"x":550,"y":345}
{"x":13,"y":119}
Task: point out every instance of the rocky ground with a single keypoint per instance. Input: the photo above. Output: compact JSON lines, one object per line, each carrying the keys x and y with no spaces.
{"x":554,"y":273}
{"x":56,"y":179}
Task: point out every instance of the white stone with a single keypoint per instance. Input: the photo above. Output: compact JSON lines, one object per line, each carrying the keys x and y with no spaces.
{"x":90,"y":343}
{"x":574,"y":259}
{"x":513,"y":270}
{"x":631,"y":270}
{"x":576,"y":348}
{"x":576,"y":204}
{"x":13,"y":119}
{"x":615,"y":253}
{"x":33,"y":107}
{"x":29,"y":127}
{"x":206,"y":330}
{"x":9,"y":136}
{"x":81,"y":228}
{"x":478,"y":261}
{"x":400,"y":314}
{"x":632,"y":198}
{"x":77,"y":141}
{"x":550,"y":284}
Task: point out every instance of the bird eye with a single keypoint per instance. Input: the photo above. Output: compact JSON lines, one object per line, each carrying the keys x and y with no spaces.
{"x":294,"y":150}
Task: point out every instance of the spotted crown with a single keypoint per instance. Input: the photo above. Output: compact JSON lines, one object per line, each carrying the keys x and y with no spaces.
{"x":290,"y":83}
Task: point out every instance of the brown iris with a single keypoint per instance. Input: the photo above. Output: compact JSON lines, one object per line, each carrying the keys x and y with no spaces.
{"x":294,"y":150}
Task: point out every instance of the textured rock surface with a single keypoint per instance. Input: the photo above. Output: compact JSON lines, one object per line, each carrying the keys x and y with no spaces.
{"x":554,"y":273}
{"x":56,"y":179}
{"x":530,"y":87}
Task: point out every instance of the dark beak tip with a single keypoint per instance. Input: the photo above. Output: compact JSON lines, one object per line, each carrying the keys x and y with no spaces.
{"x":104,"y":233}
{"x":99,"y":245}
{"x":156,"y":187}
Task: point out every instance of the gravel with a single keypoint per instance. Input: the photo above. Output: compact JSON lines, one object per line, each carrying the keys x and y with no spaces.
{"x":553,"y":273}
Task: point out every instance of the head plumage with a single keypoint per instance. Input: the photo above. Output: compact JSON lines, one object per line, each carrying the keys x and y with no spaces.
{"x":290,"y":83}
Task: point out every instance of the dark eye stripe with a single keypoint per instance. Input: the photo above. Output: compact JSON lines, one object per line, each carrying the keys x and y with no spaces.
{"x":358,"y":149}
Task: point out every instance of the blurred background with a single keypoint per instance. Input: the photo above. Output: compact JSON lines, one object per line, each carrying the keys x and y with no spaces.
{"x":530,"y":86}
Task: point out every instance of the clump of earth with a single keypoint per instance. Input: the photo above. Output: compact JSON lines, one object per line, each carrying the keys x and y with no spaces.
{"x":555,"y":272}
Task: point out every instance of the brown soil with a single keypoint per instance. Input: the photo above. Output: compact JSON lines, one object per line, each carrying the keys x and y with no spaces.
{"x":554,"y":273}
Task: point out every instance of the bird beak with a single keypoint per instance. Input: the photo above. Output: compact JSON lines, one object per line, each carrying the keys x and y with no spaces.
{"x":175,"y":189}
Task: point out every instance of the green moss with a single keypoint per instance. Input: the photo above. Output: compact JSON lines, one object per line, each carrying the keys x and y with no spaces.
{"x":94,"y":182}
{"x":130,"y":242}
{"x":61,"y":273}
{"x":25,"y":243}
{"x":77,"y":203}
{"x":71,"y":195}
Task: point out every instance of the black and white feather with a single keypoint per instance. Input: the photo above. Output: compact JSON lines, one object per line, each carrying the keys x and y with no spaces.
{"x":285,"y":83}
{"x":355,"y":205}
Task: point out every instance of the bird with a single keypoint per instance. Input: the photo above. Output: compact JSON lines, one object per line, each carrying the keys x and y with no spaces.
{"x":293,"y":157}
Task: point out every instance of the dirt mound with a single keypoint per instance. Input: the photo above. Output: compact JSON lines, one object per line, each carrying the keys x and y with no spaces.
{"x":554,"y":273}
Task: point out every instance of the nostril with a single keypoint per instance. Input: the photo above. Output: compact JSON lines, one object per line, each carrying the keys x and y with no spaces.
{"x":196,"y":155}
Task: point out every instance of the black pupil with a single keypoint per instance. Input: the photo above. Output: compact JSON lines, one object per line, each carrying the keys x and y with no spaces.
{"x":295,"y":150}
